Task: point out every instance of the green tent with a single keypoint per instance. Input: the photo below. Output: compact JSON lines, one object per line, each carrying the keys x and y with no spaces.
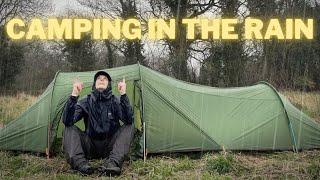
{"x":178,"y":116}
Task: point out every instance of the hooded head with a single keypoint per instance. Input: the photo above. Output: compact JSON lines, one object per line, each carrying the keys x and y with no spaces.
{"x":101,"y":81}
{"x":102,"y":86}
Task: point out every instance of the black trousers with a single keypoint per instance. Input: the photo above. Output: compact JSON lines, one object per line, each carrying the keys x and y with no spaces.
{"x":79,"y":147}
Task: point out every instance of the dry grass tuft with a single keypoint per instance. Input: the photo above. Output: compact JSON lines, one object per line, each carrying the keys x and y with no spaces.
{"x":12,"y":106}
{"x":308,"y":102}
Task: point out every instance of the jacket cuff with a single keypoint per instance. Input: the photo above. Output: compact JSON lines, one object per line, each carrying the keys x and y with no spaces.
{"x":74,"y":98}
{"x":124,"y":97}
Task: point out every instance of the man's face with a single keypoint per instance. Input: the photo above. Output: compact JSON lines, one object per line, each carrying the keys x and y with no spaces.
{"x":102,"y":82}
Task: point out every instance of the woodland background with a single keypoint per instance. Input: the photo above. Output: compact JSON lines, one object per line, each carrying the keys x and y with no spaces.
{"x":29,"y":66}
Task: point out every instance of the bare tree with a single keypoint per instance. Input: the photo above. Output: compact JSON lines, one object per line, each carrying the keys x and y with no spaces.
{"x":12,"y":53}
{"x":132,"y":50}
{"x":180,"y":48}
{"x":22,"y":8}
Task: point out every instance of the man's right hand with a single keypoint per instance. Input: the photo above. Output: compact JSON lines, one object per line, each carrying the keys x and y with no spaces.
{"x":77,"y":87}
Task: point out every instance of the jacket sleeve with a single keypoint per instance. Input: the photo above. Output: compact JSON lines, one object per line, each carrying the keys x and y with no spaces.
{"x":73,"y":112}
{"x":124,"y":110}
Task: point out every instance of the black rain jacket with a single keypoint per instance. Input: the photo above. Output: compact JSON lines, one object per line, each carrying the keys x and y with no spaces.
{"x":101,"y":112}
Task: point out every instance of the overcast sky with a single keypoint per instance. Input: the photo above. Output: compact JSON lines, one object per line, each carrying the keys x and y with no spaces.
{"x":61,"y":5}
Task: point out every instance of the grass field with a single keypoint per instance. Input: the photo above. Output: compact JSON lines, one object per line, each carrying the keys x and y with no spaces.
{"x":208,"y":165}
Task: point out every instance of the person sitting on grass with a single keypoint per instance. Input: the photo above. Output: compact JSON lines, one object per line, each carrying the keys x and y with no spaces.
{"x":103,"y":137}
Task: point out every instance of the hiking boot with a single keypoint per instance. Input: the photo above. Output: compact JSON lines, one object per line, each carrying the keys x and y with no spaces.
{"x":85,"y":169}
{"x":109,"y":167}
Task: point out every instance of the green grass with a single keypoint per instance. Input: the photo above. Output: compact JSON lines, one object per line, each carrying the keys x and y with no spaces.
{"x":314,"y":170}
{"x":222,"y":164}
{"x":209,"y":165}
